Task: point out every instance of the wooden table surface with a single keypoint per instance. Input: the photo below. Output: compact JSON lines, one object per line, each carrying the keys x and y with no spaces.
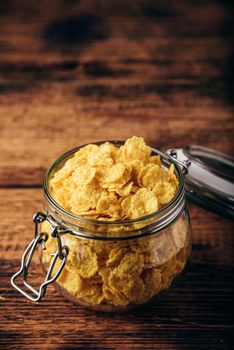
{"x":73,"y":72}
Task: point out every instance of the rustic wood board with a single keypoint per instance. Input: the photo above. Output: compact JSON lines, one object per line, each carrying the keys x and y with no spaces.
{"x":79,"y":71}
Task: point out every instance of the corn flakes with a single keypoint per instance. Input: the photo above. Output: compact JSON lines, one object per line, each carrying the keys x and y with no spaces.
{"x":84,"y":185}
{"x":107,"y":182}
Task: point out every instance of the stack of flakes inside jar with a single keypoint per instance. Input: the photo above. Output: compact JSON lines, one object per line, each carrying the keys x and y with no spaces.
{"x":119,"y":185}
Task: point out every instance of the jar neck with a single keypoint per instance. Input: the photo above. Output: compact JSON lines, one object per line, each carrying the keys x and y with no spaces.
{"x":116,"y":230}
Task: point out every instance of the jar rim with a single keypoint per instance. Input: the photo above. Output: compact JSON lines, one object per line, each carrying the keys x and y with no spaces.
{"x":157,"y":214}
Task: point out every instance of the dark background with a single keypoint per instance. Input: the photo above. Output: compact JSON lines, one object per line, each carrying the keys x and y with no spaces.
{"x":73,"y":72}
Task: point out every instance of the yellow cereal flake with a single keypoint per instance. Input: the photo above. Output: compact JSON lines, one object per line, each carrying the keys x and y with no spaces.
{"x":154,"y":175}
{"x":155,"y":160}
{"x":79,"y":202}
{"x":152,"y":281}
{"x":99,"y":158}
{"x":87,"y":264}
{"x":116,"y":176}
{"x":71,"y":280}
{"x":109,"y":149}
{"x":101,"y":249}
{"x":63,"y":173}
{"x":135,"y":148}
{"x":115,"y":173}
{"x":165,"y":192}
{"x":173,"y":178}
{"x":109,"y":206}
{"x":90,"y":292}
{"x":68,"y":185}
{"x":134,"y":289}
{"x":125,"y":190}
{"x":136,"y":166}
{"x":83,"y":174}
{"x":85,"y":198}
{"x":116,"y":254}
{"x":82,"y":155}
{"x":142,"y":172}
{"x":115,"y":298}
{"x":134,"y":189}
{"x":180,"y":234}
{"x":95,"y":298}
{"x":130,"y":264}
{"x":124,"y":280}
{"x":141,"y":203}
{"x":112,"y":296}
{"x":159,"y":249}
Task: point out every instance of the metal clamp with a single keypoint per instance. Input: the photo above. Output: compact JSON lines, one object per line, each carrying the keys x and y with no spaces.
{"x":41,"y":238}
{"x":209,"y":180}
{"x":183,"y":164}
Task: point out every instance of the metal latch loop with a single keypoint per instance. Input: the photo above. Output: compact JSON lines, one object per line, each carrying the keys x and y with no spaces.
{"x":183,"y":164}
{"x":40,"y":238}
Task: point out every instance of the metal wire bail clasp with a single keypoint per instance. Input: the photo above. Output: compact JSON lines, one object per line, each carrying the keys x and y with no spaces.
{"x":40,"y":238}
{"x":184,"y":164}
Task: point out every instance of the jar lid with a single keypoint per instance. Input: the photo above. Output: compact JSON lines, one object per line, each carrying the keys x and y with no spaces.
{"x":209,"y":177}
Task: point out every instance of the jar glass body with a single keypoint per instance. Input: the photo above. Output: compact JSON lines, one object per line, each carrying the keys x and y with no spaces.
{"x":115,"y":266}
{"x":119,"y":275}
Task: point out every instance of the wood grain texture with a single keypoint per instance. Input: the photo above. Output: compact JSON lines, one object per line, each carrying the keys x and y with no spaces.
{"x":195,"y":313}
{"x":73,"y":72}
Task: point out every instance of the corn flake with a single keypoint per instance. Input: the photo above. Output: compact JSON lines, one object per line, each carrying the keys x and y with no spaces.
{"x":141,"y":203}
{"x":87,"y":264}
{"x":134,"y":289}
{"x":135,"y":148}
{"x":83,"y":174}
{"x":109,"y":205}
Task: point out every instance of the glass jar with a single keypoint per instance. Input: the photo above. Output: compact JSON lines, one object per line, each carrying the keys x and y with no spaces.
{"x":109,"y":265}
